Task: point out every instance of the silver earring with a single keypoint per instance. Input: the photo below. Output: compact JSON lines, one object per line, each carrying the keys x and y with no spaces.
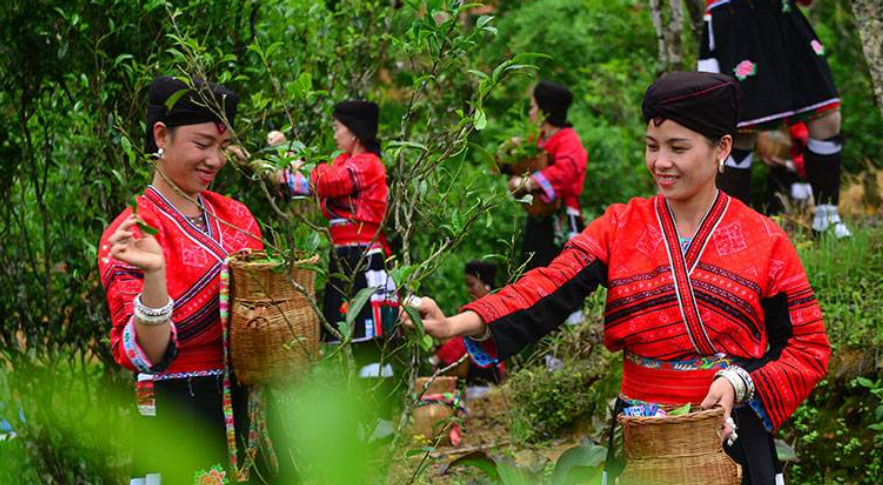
{"x":160,"y":152}
{"x":487,"y":287}
{"x":720,"y":165}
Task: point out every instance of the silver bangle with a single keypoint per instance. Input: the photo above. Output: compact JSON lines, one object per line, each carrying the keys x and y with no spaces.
{"x":734,"y":380}
{"x":486,"y":334}
{"x":153,"y":316}
{"x":746,"y":379}
{"x":740,"y":380}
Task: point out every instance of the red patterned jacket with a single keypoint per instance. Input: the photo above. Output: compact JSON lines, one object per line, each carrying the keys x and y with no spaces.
{"x":353,"y":193}
{"x":739,"y":290}
{"x":193,"y":267}
{"x":566,"y":174}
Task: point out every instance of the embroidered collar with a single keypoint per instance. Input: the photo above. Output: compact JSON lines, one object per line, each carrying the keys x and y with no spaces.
{"x":212,"y":240}
{"x":684,"y":262}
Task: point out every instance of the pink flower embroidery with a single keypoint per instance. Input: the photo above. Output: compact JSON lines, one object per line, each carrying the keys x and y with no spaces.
{"x":817,"y":47}
{"x":744,"y":69}
{"x":215,"y":476}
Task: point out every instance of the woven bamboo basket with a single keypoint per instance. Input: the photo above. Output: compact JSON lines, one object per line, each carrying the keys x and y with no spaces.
{"x":432,"y":421}
{"x":773,"y":145}
{"x":677,"y":450}
{"x":537,"y":208}
{"x":274,"y":332}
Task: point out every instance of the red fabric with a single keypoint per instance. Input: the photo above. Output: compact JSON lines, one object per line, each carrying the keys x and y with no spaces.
{"x":349,"y":234}
{"x":451,"y":351}
{"x":352,"y":189}
{"x":799,"y":137}
{"x":567,"y":171}
{"x":743,"y":261}
{"x":193,"y":262}
{"x":665,"y":386}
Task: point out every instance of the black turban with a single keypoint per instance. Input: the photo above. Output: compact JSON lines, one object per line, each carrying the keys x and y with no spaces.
{"x":705,"y":102}
{"x":361,"y":117}
{"x":554,"y":100}
{"x":486,"y":272}
{"x":190,"y":108}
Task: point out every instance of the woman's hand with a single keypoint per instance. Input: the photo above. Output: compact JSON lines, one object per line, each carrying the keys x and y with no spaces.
{"x":435,"y":323}
{"x":519,"y":185}
{"x":144,"y":252}
{"x":721,"y":393}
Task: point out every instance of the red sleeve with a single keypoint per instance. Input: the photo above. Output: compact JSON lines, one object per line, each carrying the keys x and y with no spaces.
{"x":122,"y":283}
{"x":541,"y":300}
{"x":569,"y":164}
{"x":451,"y":351}
{"x":797,"y":358}
{"x":333,"y":181}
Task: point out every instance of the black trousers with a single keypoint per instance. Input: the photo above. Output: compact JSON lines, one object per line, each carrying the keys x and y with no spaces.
{"x":188,"y":433}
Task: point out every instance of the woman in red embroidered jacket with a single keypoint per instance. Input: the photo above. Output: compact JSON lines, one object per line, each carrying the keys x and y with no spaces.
{"x":563,"y":179}
{"x":353,"y":193}
{"x":163,"y":289}
{"x":480,"y":277}
{"x":707,"y":298}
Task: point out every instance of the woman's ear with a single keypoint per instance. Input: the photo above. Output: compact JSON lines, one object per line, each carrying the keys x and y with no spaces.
{"x":725,"y":146}
{"x":160,"y":134}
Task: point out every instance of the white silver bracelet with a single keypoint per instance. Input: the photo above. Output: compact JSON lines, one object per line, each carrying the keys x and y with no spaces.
{"x":486,"y":334}
{"x":740,"y":380}
{"x":153,"y":316}
{"x":746,"y":378}
{"x":735,"y":381}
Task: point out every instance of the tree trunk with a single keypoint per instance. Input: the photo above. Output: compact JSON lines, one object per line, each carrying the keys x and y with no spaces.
{"x":869,"y":18}
{"x":669,"y":32}
{"x":696,"y":12}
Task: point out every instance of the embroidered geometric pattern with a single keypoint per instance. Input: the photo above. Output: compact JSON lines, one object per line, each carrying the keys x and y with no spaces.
{"x":727,"y":297}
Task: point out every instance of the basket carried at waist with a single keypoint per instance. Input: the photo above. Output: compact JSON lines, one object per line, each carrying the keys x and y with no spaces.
{"x":274,"y":331}
{"x":677,"y":450}
{"x":433,"y":417}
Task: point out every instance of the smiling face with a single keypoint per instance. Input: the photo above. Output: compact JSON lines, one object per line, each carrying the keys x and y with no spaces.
{"x":193,"y":154}
{"x":683,"y":162}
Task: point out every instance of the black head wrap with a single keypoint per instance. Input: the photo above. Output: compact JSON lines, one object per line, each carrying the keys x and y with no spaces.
{"x":554,"y":100}
{"x":361,"y":117}
{"x":484,"y":271}
{"x":705,"y":102}
{"x":197,"y":105}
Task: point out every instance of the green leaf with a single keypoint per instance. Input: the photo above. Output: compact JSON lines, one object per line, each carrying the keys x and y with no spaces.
{"x":685,"y":409}
{"x":480,"y":119}
{"x":785,"y":452}
{"x":401,"y":274}
{"x":357,"y":303}
{"x":345,"y":329}
{"x":273,"y":48}
{"x":476,"y":459}
{"x":133,"y":203}
{"x":427,"y":342}
{"x":864,"y":382}
{"x":414,"y":315}
{"x":483,"y":20}
{"x":170,"y":103}
{"x":306,"y":81}
{"x":147,"y":228}
{"x":582,"y":456}
{"x":419,"y":451}
{"x":512,"y":474}
{"x":585,"y":475}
